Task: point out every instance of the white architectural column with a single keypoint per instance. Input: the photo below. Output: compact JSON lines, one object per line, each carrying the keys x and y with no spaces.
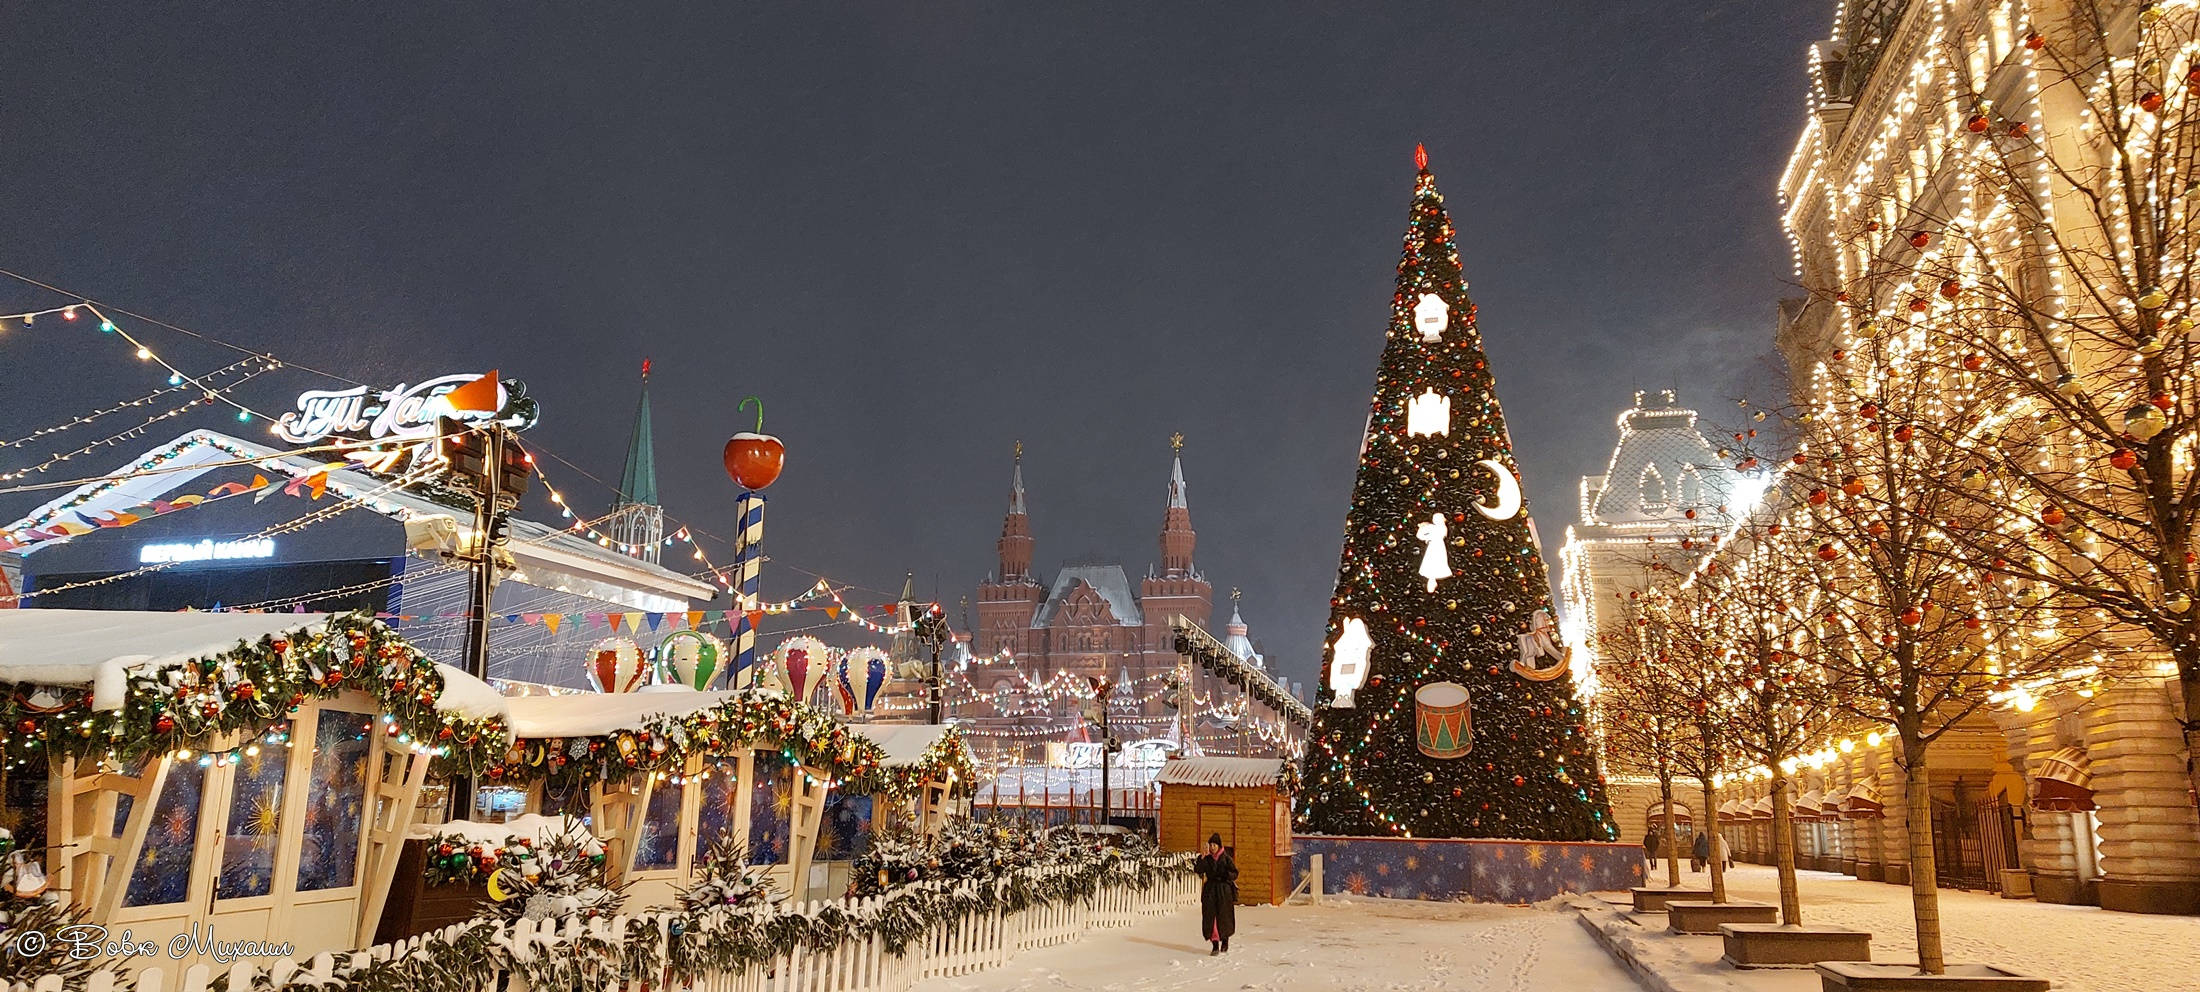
{"x":2049,"y":846}
{"x":1894,"y":829}
{"x":2150,"y":836}
{"x":1839,"y":778}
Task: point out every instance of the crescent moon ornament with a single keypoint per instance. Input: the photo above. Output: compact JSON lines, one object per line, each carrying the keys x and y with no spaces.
{"x":496,"y":888}
{"x":1508,"y":492}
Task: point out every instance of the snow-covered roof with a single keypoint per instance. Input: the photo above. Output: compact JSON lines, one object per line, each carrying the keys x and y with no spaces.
{"x":1661,"y":467}
{"x":535,"y":545}
{"x":98,"y":648}
{"x":587,"y":714}
{"x":539,"y":830}
{"x":904,"y":743}
{"x":466,"y":696}
{"x":1107,"y":580}
{"x":1221,"y":771}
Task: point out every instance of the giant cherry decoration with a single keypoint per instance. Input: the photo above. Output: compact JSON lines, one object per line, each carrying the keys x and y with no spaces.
{"x":754,"y":459}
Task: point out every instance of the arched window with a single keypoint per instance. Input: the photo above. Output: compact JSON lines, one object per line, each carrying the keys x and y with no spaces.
{"x":1691,"y":487}
{"x":1651,"y":486}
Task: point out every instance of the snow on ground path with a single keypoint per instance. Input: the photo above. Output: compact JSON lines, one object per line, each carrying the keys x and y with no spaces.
{"x":1346,"y":945}
{"x":2081,"y":948}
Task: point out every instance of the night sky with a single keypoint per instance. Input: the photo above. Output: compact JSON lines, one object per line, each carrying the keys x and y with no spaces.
{"x":920,"y":232}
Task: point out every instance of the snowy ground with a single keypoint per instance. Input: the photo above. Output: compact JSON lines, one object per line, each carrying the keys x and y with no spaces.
{"x":2080,"y":948}
{"x":1357,"y":945}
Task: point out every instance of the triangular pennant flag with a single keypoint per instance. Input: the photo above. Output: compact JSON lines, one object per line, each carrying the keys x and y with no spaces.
{"x":318,"y":482}
{"x":259,"y":485}
{"x":756,"y":619}
{"x":833,"y":611}
{"x":616,"y":619}
{"x":511,"y":618}
{"x":188,"y":499}
{"x":531,"y":619}
{"x":552,"y":620}
{"x":655,"y":619}
{"x":297,"y":607}
{"x":163,"y":506}
{"x":633,"y":623}
{"x":695,"y":619}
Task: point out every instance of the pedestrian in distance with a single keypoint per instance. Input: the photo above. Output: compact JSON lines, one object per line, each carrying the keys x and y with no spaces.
{"x":1650,"y":846}
{"x":1218,"y":874}
{"x":1700,"y":855}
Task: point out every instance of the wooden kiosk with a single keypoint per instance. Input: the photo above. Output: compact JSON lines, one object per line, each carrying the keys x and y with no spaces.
{"x":264,"y":773}
{"x":1247,"y":801}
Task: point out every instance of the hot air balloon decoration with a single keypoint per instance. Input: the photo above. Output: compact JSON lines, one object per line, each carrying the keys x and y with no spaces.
{"x":862,"y":678}
{"x":800,"y":664}
{"x":690,"y":658}
{"x":615,"y":665}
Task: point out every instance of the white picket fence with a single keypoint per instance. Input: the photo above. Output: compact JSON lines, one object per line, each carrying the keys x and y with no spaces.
{"x":978,"y":942}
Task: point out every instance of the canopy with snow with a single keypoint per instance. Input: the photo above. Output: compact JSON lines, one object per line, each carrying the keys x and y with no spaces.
{"x":1224,"y":772}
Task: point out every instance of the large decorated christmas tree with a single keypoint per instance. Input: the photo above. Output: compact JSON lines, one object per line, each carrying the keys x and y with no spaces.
{"x":1449,"y":710}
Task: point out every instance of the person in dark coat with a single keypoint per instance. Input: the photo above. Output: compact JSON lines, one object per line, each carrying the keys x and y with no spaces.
{"x":1650,"y":846}
{"x":1701,"y":854}
{"x":1217,"y":894}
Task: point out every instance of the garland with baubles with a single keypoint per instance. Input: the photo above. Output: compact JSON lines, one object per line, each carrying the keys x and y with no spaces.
{"x":687,"y":946}
{"x":249,"y":692}
{"x":752,"y":718}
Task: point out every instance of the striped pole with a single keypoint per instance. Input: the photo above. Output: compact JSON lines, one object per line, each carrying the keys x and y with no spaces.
{"x":748,"y":566}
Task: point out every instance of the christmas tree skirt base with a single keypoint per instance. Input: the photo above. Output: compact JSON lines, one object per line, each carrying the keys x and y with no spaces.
{"x":1474,"y":870}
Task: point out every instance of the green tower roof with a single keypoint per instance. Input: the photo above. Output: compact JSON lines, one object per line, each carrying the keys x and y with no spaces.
{"x":638,"y":484}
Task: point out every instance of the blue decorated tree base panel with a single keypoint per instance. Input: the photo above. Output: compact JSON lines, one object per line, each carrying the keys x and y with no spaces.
{"x":1476,"y":870}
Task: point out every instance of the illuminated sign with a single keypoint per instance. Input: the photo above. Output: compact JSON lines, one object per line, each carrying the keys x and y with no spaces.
{"x":208,"y":550}
{"x":405,"y":412}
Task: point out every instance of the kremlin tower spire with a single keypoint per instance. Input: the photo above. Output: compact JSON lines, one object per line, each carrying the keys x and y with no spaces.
{"x":1015,"y":544}
{"x":1177,"y":589}
{"x":637,"y":522}
{"x":1177,"y":538}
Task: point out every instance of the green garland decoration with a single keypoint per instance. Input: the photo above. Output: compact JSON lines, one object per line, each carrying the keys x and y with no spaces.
{"x":250,"y":690}
{"x":683,"y":947}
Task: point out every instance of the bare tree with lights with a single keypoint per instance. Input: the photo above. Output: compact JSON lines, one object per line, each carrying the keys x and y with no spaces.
{"x":1912,"y":631}
{"x":1742,"y":620}
{"x":1709,"y":750}
{"x":2052,"y":290}
{"x":1640,"y":719}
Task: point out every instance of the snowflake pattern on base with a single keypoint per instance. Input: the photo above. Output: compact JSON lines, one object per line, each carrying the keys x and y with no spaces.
{"x":1477,"y":870}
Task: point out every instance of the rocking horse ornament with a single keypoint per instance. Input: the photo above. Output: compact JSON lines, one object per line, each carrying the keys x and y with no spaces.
{"x":1540,"y":642}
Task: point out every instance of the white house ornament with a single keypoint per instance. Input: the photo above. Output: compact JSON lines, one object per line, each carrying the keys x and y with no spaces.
{"x":1432,"y":315}
{"x":1508,"y":492}
{"x":1434,"y":564}
{"x":1348,"y":661}
{"x":1428,"y":413}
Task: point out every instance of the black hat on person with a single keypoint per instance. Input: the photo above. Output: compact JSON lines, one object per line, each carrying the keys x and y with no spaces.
{"x":1215,"y":839}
